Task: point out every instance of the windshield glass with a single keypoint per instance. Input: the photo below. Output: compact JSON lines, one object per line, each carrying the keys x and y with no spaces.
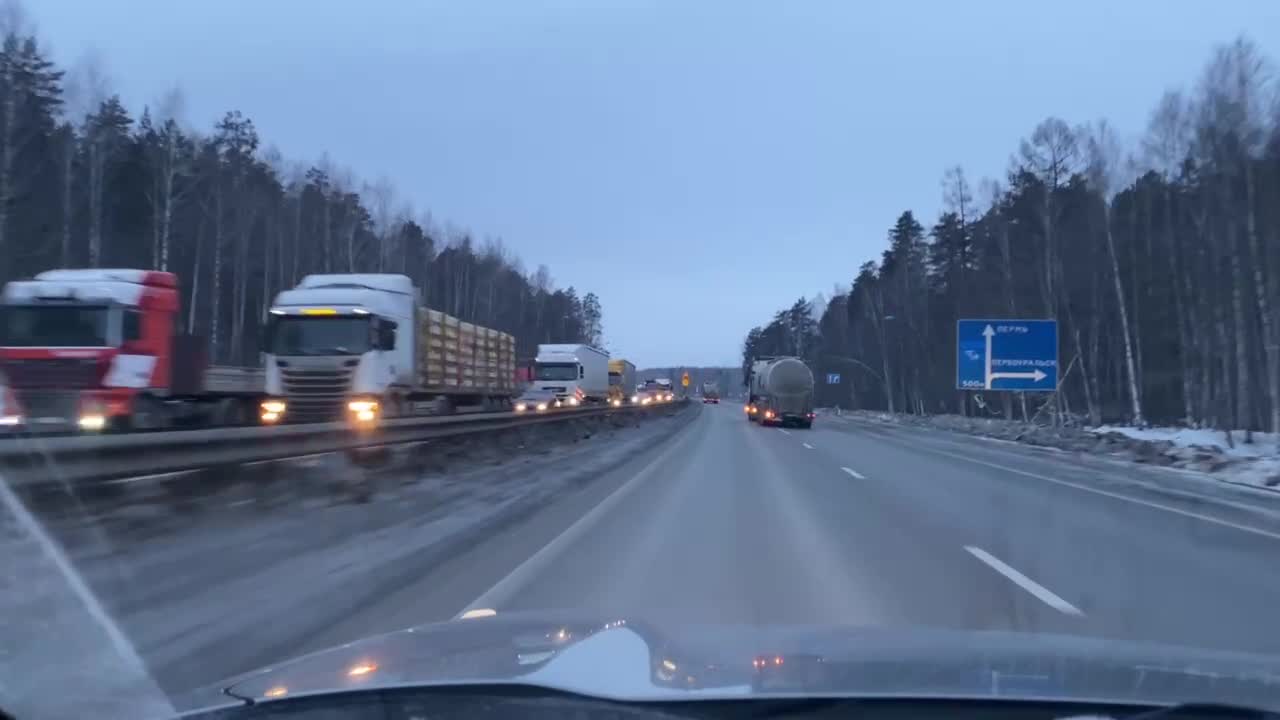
{"x":321,"y":335}
{"x":556,"y":371}
{"x":983,"y":300}
{"x":54,"y":326}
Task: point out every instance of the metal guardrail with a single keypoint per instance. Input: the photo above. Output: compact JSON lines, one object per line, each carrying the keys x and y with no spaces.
{"x":41,"y":460}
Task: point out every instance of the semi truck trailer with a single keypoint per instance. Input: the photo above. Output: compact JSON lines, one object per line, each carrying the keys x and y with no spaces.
{"x":361,"y":347}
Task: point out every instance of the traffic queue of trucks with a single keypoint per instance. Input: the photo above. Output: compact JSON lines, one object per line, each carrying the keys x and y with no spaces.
{"x":780,"y":392}
{"x":102,"y":349}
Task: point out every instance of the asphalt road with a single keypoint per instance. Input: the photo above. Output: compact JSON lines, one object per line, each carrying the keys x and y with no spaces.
{"x":850,"y":523}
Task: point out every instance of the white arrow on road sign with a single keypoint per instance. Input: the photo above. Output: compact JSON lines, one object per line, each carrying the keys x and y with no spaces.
{"x":989,"y":332}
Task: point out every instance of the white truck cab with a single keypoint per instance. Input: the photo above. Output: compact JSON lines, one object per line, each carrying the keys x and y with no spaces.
{"x":576,"y":373}
{"x":340,"y":346}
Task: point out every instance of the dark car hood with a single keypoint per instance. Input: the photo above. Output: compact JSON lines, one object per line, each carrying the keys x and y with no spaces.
{"x":632,"y":660}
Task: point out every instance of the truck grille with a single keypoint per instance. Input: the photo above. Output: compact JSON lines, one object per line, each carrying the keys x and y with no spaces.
{"x":52,"y":373}
{"x":316,"y":394}
{"x":49,"y":409}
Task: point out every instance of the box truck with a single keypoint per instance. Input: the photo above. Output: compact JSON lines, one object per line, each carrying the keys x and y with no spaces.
{"x":622,"y":376}
{"x":575,"y":373}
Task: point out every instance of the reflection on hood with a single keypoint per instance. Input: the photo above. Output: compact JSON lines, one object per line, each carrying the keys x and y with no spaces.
{"x":631,"y":660}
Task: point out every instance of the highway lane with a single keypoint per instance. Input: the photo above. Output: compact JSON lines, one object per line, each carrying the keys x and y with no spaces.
{"x":1136,"y":561}
{"x":728,"y":522}
{"x":843,"y":524}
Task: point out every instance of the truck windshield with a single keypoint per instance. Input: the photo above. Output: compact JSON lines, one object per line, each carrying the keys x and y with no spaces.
{"x":54,"y":325}
{"x":321,"y":335}
{"x":557,"y":371}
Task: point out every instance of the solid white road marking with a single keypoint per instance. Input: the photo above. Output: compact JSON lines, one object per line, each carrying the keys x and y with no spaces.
{"x":1105,"y":493}
{"x":1042,"y":593}
{"x":784,"y":432}
{"x":854,"y":473}
{"x":807,"y":445}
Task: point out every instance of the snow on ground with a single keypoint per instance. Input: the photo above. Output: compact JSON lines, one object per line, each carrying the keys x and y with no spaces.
{"x":1263,"y":445}
{"x":1252,"y":463}
{"x":1204,"y":452}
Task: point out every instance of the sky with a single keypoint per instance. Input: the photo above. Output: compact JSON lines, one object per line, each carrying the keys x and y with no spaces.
{"x":698,"y":165}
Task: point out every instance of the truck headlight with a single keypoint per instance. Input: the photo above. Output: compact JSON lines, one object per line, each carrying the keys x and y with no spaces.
{"x":364,"y":410}
{"x":573,"y":402}
{"x":272,"y":411}
{"x":10,"y":420}
{"x":616,"y":403}
{"x":542,"y":406}
{"x":635,"y":399}
{"x":521,"y":407}
{"x":93,"y":422}
{"x":359,"y":406}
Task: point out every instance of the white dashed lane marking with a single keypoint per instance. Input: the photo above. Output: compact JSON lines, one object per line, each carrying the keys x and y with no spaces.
{"x":1041,"y":592}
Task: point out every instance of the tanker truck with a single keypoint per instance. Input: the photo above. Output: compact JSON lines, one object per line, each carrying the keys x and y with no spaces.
{"x":781,"y":392}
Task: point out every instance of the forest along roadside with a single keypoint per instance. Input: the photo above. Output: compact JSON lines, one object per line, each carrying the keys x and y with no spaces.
{"x":187,"y":579}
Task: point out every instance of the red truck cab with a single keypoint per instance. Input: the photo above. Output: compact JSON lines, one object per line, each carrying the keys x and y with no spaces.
{"x":86,"y":348}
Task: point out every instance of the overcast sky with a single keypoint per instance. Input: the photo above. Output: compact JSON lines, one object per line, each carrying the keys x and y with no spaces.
{"x":698,"y":165}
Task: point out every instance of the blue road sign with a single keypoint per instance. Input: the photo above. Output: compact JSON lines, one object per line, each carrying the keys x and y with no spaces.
{"x":833,"y":378}
{"x":1007,"y":355}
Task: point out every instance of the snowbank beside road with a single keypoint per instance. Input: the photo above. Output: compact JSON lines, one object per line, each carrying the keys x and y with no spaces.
{"x":1201,"y":451}
{"x":1263,"y":445}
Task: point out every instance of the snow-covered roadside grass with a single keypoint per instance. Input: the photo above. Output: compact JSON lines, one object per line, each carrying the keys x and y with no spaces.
{"x":1262,"y":445}
{"x":1253,"y":463}
{"x":1202,"y":451}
